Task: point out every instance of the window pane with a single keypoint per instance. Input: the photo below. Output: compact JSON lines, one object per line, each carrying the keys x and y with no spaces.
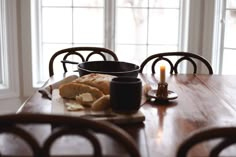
{"x":131,"y":26}
{"x":94,"y":57}
{"x":89,"y":3}
{"x":164,"y":3}
{"x":57,"y":25}
{"x":2,"y":21}
{"x":131,"y":53}
{"x":67,"y":23}
{"x":88,"y":25}
{"x":88,"y":45}
{"x":153,"y":49}
{"x":132,"y":3}
{"x":230,"y":29}
{"x":150,"y":3}
{"x":231,"y":4}
{"x":1,"y":66}
{"x":56,"y":2}
{"x":1,"y":54}
{"x":47,"y":52}
{"x":229,"y":63}
{"x":163,"y":26}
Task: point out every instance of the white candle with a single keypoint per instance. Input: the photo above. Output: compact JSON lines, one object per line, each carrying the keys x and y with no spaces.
{"x":162,"y":74}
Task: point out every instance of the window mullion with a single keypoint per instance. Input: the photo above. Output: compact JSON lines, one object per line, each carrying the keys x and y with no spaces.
{"x":36,"y":36}
{"x":183,"y":25}
{"x":4,"y":58}
{"x":221,"y":34}
{"x":1,"y":51}
{"x":109,"y":20}
{"x":9,"y":50}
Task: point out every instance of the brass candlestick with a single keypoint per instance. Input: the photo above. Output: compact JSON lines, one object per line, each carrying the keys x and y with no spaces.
{"x":162,"y":91}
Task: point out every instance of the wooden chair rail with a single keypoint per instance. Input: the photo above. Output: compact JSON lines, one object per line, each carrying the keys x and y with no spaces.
{"x":173,"y":67}
{"x":65,"y":125}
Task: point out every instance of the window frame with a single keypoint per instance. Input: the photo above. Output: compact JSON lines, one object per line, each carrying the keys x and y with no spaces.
{"x":9,"y":50}
{"x":220,"y":22}
{"x":109,"y":31}
{"x":2,"y":60}
{"x":218,"y":39}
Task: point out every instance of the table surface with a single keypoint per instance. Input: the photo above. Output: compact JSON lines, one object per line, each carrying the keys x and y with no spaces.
{"x":203,"y":101}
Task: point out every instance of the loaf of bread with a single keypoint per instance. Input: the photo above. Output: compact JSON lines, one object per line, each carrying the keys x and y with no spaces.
{"x":100,"y":81}
{"x":72,"y":89}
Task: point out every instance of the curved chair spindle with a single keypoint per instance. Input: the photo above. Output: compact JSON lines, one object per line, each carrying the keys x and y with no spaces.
{"x":191,"y":57}
{"x":204,"y":135}
{"x":80,"y":52}
{"x":66,"y":125}
{"x":24,"y":135}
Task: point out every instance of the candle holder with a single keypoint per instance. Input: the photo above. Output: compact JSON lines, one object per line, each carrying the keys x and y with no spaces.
{"x":162,"y":91}
{"x":162,"y":94}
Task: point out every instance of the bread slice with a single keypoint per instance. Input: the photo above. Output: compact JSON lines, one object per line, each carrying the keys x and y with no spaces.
{"x":85,"y":99}
{"x":72,"y":89}
{"x":100,"y":81}
{"x":101,"y":104}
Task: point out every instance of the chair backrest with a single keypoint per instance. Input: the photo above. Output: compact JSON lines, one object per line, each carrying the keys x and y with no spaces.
{"x":84,"y":53}
{"x":191,"y":57}
{"x":228,"y":134}
{"x":65,"y":125}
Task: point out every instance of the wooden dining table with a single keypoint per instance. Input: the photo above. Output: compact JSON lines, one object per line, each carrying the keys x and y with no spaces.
{"x":203,"y":101}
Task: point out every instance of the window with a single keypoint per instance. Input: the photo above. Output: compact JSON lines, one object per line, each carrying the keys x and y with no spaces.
{"x":134,"y":29}
{"x":1,"y":52}
{"x":145,"y":27}
{"x":9,"y":76}
{"x":66,"y":23}
{"x":227,"y":48}
{"x":3,"y":65}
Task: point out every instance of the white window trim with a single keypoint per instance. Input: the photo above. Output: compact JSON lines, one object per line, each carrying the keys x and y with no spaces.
{"x":35,"y":38}
{"x":183,"y":26}
{"x":208,"y":30}
{"x":201,"y":32}
{"x":10,"y":50}
{"x":26,"y":47}
{"x":219,"y":31}
{"x":110,"y":11}
{"x":2,"y":40}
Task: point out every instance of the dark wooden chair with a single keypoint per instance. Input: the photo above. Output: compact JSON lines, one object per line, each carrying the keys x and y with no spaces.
{"x":227,"y":134}
{"x":191,"y":57}
{"x":84,"y":53}
{"x":62,"y":126}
